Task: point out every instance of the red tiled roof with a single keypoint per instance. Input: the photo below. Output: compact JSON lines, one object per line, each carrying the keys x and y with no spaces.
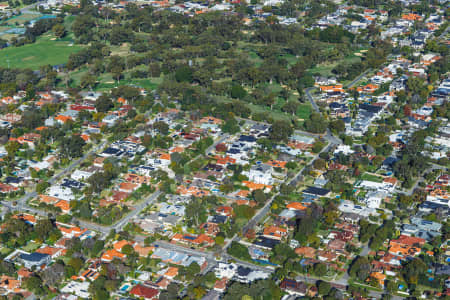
{"x":144,"y":291}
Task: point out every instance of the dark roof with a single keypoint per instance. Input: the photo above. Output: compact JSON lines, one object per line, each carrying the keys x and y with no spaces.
{"x":10,"y":179}
{"x":266,"y":242}
{"x":234,"y":151}
{"x":370,"y":108}
{"x":389,"y":161}
{"x":112,"y":151}
{"x":335,"y":105}
{"x":70,"y":183}
{"x":243,"y":271}
{"x":35,"y":257}
{"x":247,"y":138}
{"x":443,"y":270}
{"x":292,"y":285}
{"x":218,"y":219}
{"x":312,"y":190}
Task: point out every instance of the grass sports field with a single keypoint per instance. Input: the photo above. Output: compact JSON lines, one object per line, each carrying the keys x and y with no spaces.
{"x":32,"y":56}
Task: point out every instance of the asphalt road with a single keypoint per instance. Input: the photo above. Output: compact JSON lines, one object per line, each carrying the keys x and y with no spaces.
{"x":357,"y":79}
{"x":266,"y":208}
{"x":137,"y":209}
{"x":411,"y":190}
{"x":21,"y":202}
{"x":311,"y":99}
{"x":300,"y":132}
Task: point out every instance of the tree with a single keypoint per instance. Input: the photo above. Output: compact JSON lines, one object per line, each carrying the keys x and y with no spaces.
{"x":12,"y":147}
{"x":104,"y":103}
{"x":195,"y":212}
{"x":34,"y":283}
{"x":323,"y":287}
{"x":127,"y":249}
{"x":317,"y":147}
{"x":184,"y":74}
{"x":282,"y":253}
{"x":413,"y":269}
{"x":337,"y":126}
{"x":59,"y":30}
{"x":162,"y":127}
{"x":239,"y":251}
{"x":41,"y":187}
{"x":259,"y":196}
{"x":320,"y":269}
{"x":154,"y":70}
{"x":231,"y":126}
{"x":219,"y":240}
{"x":97,"y":248}
{"x":316,"y":123}
{"x":320,"y":164}
{"x":72,"y":147}
{"x":280,"y":131}
{"x":291,"y":107}
{"x":238,"y":92}
{"x":53,"y":275}
{"x":43,"y":228}
{"x":88,"y":80}
{"x":193,"y":269}
{"x":360,"y":268}
{"x":76,"y":263}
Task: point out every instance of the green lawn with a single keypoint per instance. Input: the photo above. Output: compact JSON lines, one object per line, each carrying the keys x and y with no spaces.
{"x":5,"y":251}
{"x":30,"y":247}
{"x":304,"y":111}
{"x":370,"y":177}
{"x":45,"y":51}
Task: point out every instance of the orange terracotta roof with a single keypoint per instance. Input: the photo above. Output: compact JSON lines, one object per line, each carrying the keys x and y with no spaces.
{"x":275,"y":231}
{"x":178,"y":149}
{"x":119,"y":245}
{"x":277,"y":163}
{"x":143,"y":251}
{"x":296,"y":206}
{"x":62,"y":118}
{"x":256,"y":186}
{"x":128,"y":186}
{"x":165,"y":156}
{"x":48,"y":250}
{"x":48,"y":199}
{"x":171,"y":272}
{"x":224,"y":160}
{"x":26,"y":217}
{"x":408,"y":240}
{"x":64,"y":205}
{"x":308,"y":252}
{"x":243,"y":193}
{"x":109,"y":255}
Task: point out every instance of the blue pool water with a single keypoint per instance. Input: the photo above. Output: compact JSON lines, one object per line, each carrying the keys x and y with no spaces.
{"x":125,"y":287}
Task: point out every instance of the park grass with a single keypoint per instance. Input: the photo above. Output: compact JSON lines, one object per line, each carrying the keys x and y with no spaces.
{"x":370,"y":177}
{"x":304,"y":111}
{"x":143,"y":83}
{"x":43,"y":52}
{"x":325,"y":69}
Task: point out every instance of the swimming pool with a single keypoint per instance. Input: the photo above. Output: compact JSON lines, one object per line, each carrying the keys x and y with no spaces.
{"x":125,"y":287}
